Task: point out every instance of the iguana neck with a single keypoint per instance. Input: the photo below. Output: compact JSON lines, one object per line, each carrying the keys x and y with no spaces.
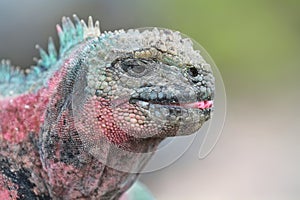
{"x":73,"y":170}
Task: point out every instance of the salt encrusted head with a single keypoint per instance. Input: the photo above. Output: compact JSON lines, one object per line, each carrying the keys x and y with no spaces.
{"x":152,"y":82}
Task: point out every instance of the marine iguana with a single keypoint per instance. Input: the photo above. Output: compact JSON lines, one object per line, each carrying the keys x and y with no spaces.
{"x":83,"y":122}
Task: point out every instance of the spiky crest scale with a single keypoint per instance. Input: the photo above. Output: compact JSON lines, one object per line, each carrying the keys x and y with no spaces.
{"x":90,"y":30}
{"x":69,"y":34}
{"x":9,"y":73}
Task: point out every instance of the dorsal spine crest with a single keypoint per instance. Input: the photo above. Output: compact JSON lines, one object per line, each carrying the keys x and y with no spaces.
{"x":69,"y":33}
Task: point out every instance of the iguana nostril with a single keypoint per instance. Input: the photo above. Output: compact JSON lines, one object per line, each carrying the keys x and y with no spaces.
{"x":192,"y":71}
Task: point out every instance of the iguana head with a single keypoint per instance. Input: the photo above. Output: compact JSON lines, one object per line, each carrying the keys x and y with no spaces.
{"x":149,"y":83}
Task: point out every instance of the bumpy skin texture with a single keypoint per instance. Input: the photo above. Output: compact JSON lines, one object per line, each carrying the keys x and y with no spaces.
{"x":83,"y":123}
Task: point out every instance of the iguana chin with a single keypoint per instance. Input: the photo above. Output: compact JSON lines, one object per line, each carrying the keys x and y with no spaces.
{"x":83,"y":122}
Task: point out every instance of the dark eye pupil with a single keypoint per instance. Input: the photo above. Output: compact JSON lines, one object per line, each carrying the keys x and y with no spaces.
{"x":193,"y":71}
{"x":138,"y":68}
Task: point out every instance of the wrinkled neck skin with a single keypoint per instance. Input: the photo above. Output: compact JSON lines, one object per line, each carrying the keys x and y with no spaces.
{"x":73,"y":171}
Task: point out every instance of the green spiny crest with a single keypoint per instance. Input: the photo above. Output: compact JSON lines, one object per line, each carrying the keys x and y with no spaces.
{"x":69,"y":33}
{"x":9,"y":73}
{"x":10,"y":78}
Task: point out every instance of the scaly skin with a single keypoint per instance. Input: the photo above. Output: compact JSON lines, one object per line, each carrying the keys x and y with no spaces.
{"x":83,"y":123}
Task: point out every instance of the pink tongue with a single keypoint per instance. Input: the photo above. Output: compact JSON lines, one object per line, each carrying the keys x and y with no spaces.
{"x":199,"y":104}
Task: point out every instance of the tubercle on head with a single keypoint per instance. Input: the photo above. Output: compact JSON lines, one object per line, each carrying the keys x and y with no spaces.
{"x":91,"y":30}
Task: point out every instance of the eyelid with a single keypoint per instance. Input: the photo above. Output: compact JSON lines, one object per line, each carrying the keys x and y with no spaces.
{"x":128,"y":64}
{"x":134,"y":74}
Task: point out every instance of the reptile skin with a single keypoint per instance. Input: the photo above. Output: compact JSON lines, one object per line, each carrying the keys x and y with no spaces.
{"x":83,"y":122}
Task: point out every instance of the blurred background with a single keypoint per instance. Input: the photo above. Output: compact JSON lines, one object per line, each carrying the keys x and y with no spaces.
{"x":256,"y":46}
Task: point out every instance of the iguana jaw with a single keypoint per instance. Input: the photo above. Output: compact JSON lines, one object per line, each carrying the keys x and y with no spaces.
{"x":175,"y":119}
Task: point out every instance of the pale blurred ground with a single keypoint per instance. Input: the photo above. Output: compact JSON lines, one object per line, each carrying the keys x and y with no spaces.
{"x":255,"y":44}
{"x":257,"y":158}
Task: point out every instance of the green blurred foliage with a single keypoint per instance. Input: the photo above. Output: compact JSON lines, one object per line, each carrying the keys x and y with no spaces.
{"x":254,"y":43}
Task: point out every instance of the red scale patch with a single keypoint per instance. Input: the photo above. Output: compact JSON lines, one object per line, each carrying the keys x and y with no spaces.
{"x":22,"y":115}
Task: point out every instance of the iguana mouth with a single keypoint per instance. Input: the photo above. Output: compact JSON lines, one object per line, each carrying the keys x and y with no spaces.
{"x":207,"y":104}
{"x":177,"y":112}
{"x":169,"y":98}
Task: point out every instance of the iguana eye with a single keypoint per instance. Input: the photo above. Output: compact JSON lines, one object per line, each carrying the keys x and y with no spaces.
{"x":135,"y":67}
